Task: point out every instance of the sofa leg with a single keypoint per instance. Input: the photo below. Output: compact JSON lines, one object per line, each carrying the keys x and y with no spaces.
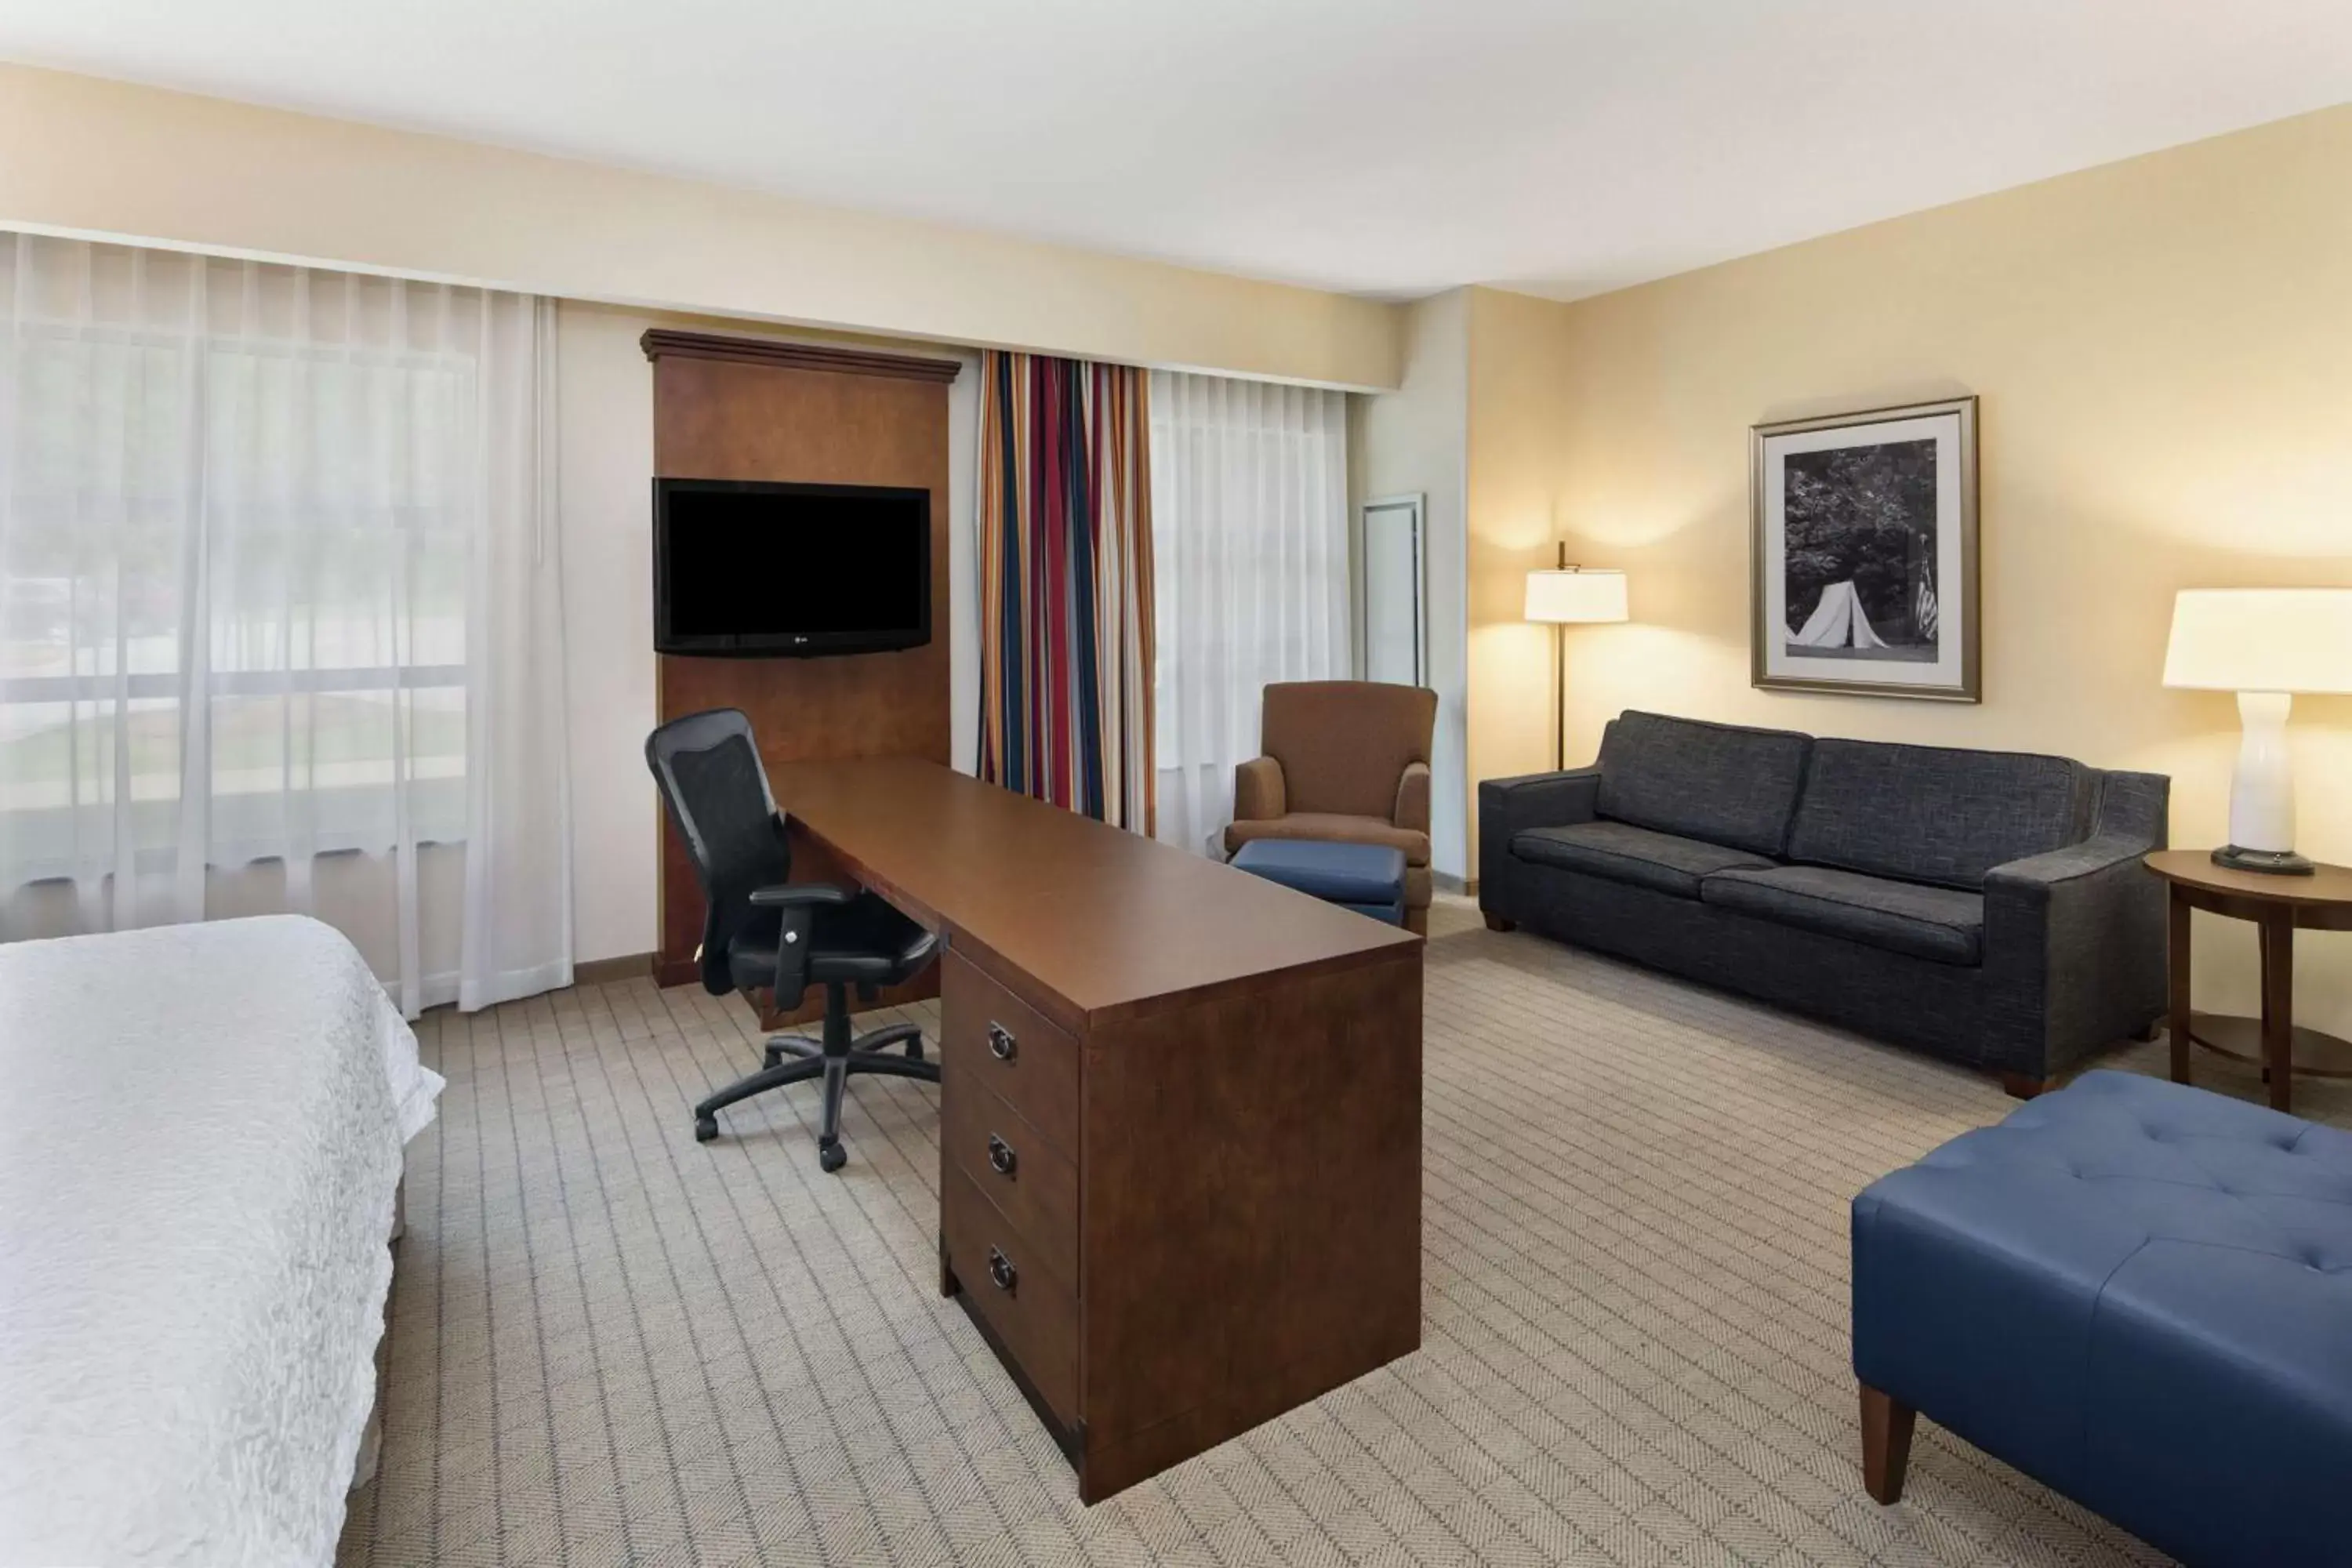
{"x":1496,"y":922}
{"x":2020,"y":1087}
{"x":1417,"y":921}
{"x":1885,"y":1444}
{"x":2148,"y":1031}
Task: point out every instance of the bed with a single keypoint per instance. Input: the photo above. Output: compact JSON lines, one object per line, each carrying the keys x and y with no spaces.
{"x":201,"y":1131}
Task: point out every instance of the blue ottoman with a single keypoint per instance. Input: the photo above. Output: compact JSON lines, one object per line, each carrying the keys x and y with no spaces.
{"x":2138,"y":1293}
{"x":1366,"y":878}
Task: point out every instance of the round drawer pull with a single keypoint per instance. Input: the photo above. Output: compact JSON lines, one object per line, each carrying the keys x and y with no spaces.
{"x":1000,"y":1155}
{"x":1001,"y":1270}
{"x":1001,"y":1043}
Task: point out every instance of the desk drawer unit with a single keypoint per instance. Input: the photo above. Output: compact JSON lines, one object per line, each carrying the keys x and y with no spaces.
{"x":1008,"y":1286}
{"x":1034,"y":1185}
{"x":991,"y":1037}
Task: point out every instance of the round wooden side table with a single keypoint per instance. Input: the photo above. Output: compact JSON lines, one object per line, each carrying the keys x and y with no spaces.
{"x":2279,"y":907}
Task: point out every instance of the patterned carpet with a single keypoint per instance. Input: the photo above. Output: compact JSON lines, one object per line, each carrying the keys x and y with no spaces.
{"x":613,"y":1345}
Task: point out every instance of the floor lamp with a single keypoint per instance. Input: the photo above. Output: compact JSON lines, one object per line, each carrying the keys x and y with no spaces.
{"x":2265,"y":644}
{"x":1564,"y":596}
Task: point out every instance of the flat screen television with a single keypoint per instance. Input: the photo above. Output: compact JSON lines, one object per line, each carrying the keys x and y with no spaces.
{"x":748,"y":569}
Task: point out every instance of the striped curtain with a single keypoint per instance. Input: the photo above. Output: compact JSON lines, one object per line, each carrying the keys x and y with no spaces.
{"x":1065,"y":585}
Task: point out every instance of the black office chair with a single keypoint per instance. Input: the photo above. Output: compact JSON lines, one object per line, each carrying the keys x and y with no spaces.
{"x":761,"y":930}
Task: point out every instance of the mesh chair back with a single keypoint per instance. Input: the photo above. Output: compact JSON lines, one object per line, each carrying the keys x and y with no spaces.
{"x":708,"y":771}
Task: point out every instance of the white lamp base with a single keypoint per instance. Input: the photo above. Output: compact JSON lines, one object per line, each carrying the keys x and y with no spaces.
{"x":2261,"y":791}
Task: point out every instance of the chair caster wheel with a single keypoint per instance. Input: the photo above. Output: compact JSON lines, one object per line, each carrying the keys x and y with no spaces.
{"x":706,"y":1128}
{"x":832,"y":1156}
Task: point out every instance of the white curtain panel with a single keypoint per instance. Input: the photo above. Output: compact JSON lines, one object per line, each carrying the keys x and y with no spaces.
{"x":1249,"y":527}
{"x":280,"y":620}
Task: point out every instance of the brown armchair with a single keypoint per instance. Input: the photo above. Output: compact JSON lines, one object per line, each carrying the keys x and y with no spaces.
{"x":1345,"y":760}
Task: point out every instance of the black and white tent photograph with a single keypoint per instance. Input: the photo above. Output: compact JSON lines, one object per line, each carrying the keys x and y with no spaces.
{"x":1866,"y":552}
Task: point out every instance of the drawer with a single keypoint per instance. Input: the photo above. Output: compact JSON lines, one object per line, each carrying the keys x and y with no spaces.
{"x":1033,"y":1184}
{"x":1033,"y":1314}
{"x":992,"y":1039}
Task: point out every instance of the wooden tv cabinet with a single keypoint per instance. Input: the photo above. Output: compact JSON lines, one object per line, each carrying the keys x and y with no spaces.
{"x":1180,"y":1126}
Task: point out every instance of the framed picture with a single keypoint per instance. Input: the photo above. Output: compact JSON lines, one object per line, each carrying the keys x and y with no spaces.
{"x":1864,"y":555}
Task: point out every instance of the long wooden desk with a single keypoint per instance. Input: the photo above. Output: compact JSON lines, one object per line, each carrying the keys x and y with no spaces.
{"x":1180,"y":1128}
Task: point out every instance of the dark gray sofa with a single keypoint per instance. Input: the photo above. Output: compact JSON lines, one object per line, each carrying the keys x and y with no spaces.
{"x":1987,"y":906}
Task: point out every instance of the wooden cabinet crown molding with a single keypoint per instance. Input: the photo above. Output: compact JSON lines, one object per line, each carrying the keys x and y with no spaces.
{"x":662,"y":340}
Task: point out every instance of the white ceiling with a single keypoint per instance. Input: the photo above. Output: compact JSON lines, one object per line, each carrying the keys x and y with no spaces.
{"x":1379,"y":146}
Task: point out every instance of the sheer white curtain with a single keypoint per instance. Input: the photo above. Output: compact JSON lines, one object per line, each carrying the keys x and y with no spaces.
{"x":1249,"y":529}
{"x":280,"y":625}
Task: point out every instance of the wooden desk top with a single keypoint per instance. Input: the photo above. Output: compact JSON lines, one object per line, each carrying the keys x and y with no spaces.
{"x":1110,"y":923}
{"x":2329,"y":885}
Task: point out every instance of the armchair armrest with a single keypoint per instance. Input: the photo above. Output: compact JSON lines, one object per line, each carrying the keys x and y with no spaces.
{"x":1258,"y":793}
{"x":792,"y":895}
{"x":2075,"y":951}
{"x":1412,"y":811}
{"x":1508,"y":808}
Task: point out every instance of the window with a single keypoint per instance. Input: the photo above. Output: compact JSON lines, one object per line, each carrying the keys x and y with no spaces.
{"x":234,"y":564}
{"x":1249,"y":524}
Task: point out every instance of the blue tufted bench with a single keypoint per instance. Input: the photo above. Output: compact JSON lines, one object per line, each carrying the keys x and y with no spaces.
{"x":2140,"y":1294}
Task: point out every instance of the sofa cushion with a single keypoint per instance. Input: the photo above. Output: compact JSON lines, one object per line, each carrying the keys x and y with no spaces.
{"x":1332,"y":827}
{"x":1941,"y":924}
{"x":1933,"y":814}
{"x":1716,"y":782}
{"x":2137,"y":1291}
{"x":1623,"y":853}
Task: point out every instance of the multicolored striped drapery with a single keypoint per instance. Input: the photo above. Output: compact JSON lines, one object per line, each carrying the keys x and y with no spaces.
{"x":1065,"y":585}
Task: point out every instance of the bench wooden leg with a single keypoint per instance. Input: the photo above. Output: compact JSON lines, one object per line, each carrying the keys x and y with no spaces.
{"x":1496,"y":922}
{"x":1885,"y":1444}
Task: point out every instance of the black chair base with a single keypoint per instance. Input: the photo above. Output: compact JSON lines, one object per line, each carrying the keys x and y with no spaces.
{"x":836,"y":1058}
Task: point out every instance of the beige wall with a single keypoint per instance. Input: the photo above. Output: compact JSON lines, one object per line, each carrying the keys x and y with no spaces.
{"x":109,"y":159}
{"x":1415,"y":440}
{"x":2163,"y":349}
{"x":1517,"y":474}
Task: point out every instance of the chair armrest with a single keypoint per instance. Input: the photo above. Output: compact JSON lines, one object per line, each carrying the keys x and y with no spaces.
{"x":794,"y":895}
{"x":1258,"y":793}
{"x":1412,"y":811}
{"x":2075,"y":951}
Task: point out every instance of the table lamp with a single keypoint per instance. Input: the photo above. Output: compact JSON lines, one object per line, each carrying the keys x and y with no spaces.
{"x":2265,"y":644}
{"x":1561,"y":597}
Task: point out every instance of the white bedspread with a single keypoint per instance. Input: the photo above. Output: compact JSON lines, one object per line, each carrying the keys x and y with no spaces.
{"x":200,"y":1138}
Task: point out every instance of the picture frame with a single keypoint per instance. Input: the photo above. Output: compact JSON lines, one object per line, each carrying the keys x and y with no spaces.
{"x":1863,"y":553}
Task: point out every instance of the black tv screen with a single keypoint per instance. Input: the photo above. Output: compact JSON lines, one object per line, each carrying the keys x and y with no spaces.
{"x":745,"y":568}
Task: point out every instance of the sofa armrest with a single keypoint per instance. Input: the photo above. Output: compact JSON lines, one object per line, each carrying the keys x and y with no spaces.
{"x":1258,"y":795}
{"x":1508,"y":808}
{"x":1538,"y":800}
{"x":2075,"y":951}
{"x":1412,"y":812}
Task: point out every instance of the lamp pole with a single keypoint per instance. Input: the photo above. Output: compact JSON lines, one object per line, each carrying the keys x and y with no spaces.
{"x":1559,"y":681}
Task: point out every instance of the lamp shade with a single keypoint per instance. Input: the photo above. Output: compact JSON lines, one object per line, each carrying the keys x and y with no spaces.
{"x":1575,"y":596}
{"x":2261,"y":639}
